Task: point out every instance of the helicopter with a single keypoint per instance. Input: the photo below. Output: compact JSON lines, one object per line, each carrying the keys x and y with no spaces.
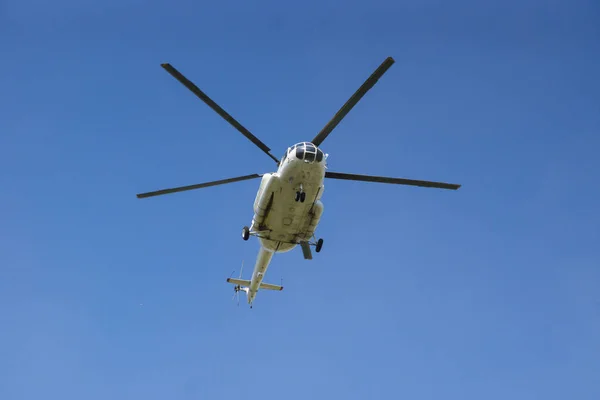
{"x":288,"y":207}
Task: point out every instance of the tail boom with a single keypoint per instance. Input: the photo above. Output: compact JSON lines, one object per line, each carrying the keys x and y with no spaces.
{"x":251,"y":287}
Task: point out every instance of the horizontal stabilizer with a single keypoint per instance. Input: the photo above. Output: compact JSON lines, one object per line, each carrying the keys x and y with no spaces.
{"x":241,"y":282}
{"x":246,"y":283}
{"x":269,"y":286}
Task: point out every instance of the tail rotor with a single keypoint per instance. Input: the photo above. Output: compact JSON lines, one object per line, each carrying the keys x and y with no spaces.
{"x":237,"y":288}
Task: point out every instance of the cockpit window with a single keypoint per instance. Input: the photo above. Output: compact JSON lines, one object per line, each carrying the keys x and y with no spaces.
{"x":284,"y":157}
{"x":311,"y":152}
{"x":300,"y":152}
{"x":319,"y":155}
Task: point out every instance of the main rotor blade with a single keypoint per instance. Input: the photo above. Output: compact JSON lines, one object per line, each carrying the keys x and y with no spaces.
{"x":198,"y":186}
{"x":191,"y":86}
{"x":383,"y":179}
{"x":368,"y":84}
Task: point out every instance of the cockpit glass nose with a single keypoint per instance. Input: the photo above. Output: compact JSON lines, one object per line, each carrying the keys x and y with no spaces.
{"x":308,"y":152}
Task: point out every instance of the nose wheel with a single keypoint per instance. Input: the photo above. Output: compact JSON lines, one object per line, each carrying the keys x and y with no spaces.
{"x":300,"y":195}
{"x":245,"y":233}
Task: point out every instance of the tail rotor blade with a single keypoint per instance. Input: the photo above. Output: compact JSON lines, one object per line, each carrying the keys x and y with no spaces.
{"x":236,"y":293}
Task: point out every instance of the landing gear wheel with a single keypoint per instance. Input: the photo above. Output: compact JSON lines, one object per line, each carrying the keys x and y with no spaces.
{"x":302,"y":197}
{"x":245,"y":233}
{"x":298,"y":196}
{"x":319,"y":245}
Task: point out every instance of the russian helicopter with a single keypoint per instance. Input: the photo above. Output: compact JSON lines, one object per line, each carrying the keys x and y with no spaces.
{"x":288,"y":206}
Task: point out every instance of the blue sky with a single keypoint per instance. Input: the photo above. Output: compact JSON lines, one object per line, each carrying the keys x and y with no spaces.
{"x":488,"y":292}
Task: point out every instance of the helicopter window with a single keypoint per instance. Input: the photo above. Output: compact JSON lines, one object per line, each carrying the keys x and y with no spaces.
{"x":319,"y":155}
{"x":283,"y":158}
{"x":310,"y":152}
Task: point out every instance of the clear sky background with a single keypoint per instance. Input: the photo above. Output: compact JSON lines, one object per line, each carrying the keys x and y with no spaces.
{"x":488,"y":292}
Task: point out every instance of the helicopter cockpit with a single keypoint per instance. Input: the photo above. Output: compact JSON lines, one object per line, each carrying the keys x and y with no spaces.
{"x":307,"y":151}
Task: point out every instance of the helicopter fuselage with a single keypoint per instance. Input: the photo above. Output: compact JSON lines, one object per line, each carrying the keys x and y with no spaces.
{"x":287,"y":207}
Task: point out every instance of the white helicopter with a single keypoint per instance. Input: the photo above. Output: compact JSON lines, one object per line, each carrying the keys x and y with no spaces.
{"x":288,"y":206}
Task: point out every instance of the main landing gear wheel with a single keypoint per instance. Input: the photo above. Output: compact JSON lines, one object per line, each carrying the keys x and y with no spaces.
{"x":245,"y":233}
{"x":319,"y":245}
